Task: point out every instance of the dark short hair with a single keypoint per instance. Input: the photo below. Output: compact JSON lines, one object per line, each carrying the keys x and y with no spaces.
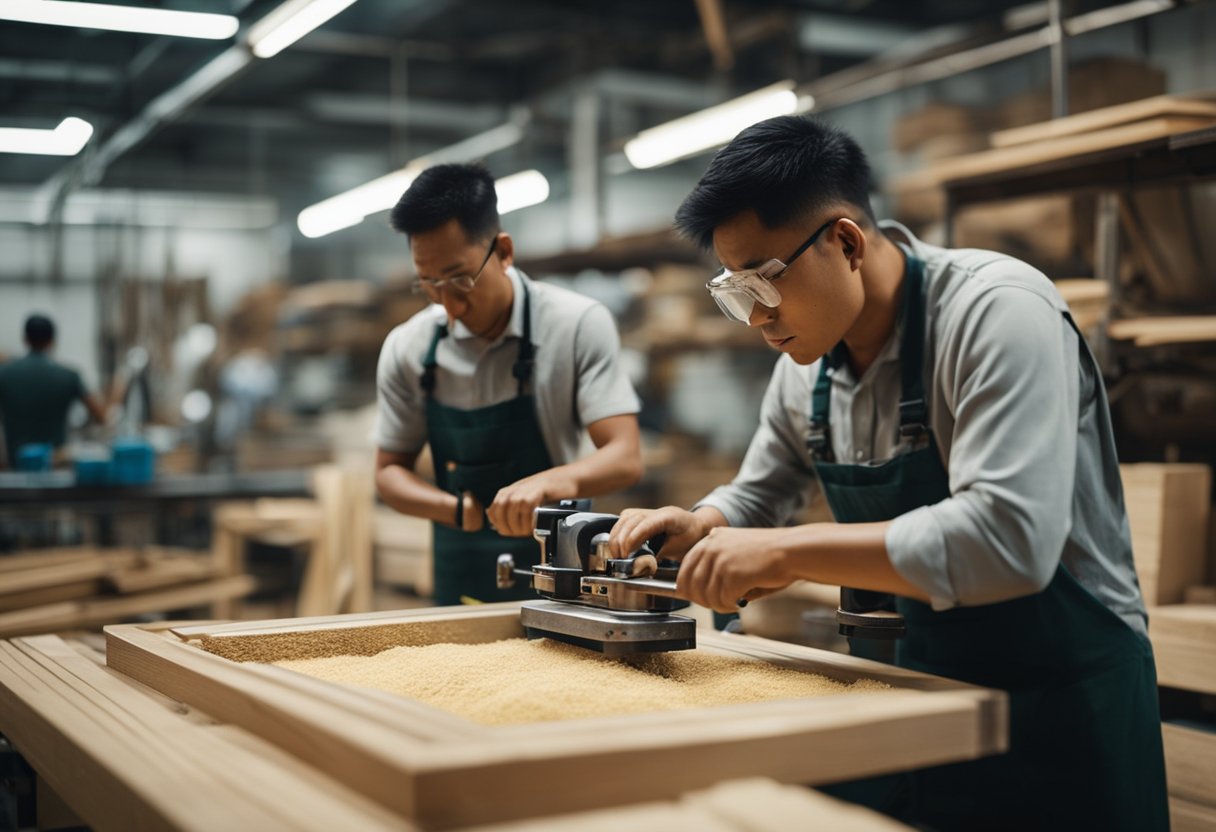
{"x":39,"y":331}
{"x":785,"y":168}
{"x":445,"y":192}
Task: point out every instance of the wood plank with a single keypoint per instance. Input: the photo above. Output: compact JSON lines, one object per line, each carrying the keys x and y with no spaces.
{"x":500,"y":617}
{"x":1187,"y":816}
{"x":45,"y":557}
{"x":1161,"y":330}
{"x":1184,"y":641}
{"x":1190,"y":762}
{"x":169,"y":772}
{"x":49,"y":595}
{"x":1158,"y":106}
{"x":1168,"y":507}
{"x":751,"y":805}
{"x":92,"y":612}
{"x":72,"y":571}
{"x":1005,"y":159}
{"x":161,"y":572}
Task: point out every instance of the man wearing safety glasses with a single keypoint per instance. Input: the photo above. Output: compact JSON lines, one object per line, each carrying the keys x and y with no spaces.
{"x":503,"y":378}
{"x":943,"y":404}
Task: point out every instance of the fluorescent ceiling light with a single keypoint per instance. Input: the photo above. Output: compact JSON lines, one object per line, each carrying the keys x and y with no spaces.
{"x":121,"y":18}
{"x":353,"y":206}
{"x":708,"y":128}
{"x":289,"y":22}
{"x":519,"y":190}
{"x":68,"y":139}
{"x":516,"y":191}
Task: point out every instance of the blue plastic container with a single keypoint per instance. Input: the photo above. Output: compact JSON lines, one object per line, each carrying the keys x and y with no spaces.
{"x":34,"y":456}
{"x":134,"y":462}
{"x":93,"y":471}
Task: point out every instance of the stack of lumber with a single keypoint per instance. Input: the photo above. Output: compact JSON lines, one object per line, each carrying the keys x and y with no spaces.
{"x":1184,"y":641}
{"x":1168,"y":505}
{"x":124,"y":757}
{"x":58,"y":589}
{"x":1168,"y":508}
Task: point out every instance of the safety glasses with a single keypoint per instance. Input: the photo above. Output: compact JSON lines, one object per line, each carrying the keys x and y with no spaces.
{"x":737,"y":293}
{"x":461,"y":283}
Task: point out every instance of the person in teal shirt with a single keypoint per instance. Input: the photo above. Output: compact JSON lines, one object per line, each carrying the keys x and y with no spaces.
{"x":36,"y":393}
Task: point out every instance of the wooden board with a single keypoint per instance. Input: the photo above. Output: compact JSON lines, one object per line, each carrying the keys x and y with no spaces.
{"x":1159,"y":106}
{"x":420,"y":762}
{"x":1186,"y":816}
{"x":1167,"y":508}
{"x":1184,"y":641}
{"x":752,"y":805}
{"x":1190,"y":762}
{"x":1161,"y":330}
{"x":125,"y":758}
{"x":91,"y":612}
{"x":1005,"y":159}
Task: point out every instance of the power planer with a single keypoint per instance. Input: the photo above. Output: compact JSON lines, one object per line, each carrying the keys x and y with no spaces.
{"x":617,"y":606}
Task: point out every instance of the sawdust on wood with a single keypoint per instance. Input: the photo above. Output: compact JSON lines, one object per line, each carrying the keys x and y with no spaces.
{"x":517,"y":681}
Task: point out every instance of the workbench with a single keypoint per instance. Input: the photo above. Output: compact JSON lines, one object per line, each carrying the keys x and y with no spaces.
{"x":168,"y":735}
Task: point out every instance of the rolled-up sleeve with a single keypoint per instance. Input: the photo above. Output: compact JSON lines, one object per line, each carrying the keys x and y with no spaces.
{"x":775,"y":480}
{"x":400,"y":409}
{"x":602,"y":388}
{"x":1008,"y":370}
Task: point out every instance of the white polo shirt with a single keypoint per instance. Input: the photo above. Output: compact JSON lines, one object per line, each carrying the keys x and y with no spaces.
{"x":577,"y":378}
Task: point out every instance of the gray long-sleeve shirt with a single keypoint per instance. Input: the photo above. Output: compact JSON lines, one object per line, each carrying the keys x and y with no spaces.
{"x":1016,"y":407}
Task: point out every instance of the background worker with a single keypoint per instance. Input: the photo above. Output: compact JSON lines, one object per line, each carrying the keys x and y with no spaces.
{"x":36,"y":393}
{"x":945,"y":406}
{"x":503,"y":377}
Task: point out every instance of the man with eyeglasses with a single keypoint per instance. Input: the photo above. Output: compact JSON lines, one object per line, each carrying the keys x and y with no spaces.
{"x":944,"y":405}
{"x":503,"y":377}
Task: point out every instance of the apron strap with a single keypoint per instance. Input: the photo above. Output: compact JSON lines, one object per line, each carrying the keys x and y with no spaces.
{"x":524,"y":362}
{"x":429,"y":364}
{"x":913,"y":412}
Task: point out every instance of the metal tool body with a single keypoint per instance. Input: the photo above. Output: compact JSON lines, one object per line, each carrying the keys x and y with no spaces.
{"x":617,"y":606}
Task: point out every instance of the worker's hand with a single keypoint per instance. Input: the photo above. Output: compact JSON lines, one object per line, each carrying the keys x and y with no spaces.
{"x":733,"y":564}
{"x":474,"y":516}
{"x":637,"y":525}
{"x":513,"y":506}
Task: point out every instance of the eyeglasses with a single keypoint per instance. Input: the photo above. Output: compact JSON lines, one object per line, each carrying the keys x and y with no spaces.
{"x":462,"y":283}
{"x":737,"y":293}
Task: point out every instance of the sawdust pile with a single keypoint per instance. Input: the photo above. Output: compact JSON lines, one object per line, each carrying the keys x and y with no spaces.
{"x":345,"y":641}
{"x":518,"y":681}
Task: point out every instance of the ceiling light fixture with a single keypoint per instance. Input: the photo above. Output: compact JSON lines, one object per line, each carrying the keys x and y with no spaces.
{"x":121,"y":18}
{"x":711,"y":127}
{"x":289,"y":22}
{"x":68,"y":139}
{"x":519,"y":190}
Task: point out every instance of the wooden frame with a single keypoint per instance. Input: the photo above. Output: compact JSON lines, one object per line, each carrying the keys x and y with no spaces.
{"x":444,"y":771}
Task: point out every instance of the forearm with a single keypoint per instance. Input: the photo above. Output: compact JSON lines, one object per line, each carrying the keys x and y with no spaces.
{"x":404,"y":491}
{"x":845,"y":554}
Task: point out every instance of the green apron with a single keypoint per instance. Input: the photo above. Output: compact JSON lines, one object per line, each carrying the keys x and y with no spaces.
{"x":482,"y":450}
{"x":1085,"y":732}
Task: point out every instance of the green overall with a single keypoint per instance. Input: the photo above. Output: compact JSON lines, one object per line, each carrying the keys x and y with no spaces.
{"x":1085,"y":734}
{"x":482,"y":450}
